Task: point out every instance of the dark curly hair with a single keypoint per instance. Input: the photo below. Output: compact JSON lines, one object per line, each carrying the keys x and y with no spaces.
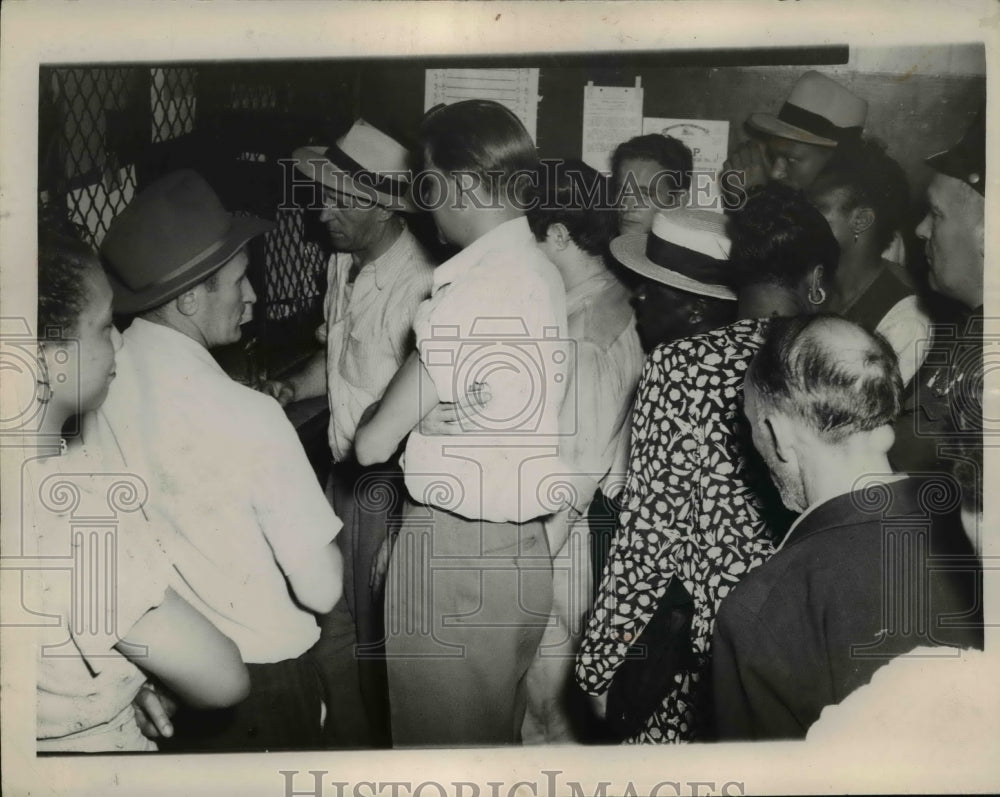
{"x":575,"y":195}
{"x":869,"y":178}
{"x":670,"y":153}
{"x":778,"y":237}
{"x":64,"y":262}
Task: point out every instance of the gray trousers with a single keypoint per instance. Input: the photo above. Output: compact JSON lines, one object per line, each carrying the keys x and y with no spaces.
{"x":466,"y":605}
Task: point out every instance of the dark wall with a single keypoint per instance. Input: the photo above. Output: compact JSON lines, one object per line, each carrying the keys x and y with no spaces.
{"x":915,"y":115}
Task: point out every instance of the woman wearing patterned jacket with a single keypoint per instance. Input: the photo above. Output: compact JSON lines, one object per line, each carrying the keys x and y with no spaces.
{"x":698,"y":504}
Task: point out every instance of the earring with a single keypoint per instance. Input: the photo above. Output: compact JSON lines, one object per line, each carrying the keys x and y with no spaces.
{"x":43,"y":388}
{"x":816,"y":295}
{"x":855,"y":237}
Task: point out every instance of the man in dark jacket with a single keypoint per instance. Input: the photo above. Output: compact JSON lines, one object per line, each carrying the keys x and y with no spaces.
{"x":875,"y":565}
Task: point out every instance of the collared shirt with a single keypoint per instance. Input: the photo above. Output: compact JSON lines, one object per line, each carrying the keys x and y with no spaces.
{"x":226,"y":472}
{"x":497,"y":317}
{"x":368,"y":325}
{"x":85,"y":687}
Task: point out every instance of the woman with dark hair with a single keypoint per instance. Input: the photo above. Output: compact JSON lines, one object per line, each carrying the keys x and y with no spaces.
{"x":491,"y":348}
{"x":649,"y":173}
{"x":863,"y":195}
{"x":87,"y":676}
{"x":699,"y":510}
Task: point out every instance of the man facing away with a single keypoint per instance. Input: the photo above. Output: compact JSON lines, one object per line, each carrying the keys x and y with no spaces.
{"x":861,"y":576}
{"x":377,"y":276}
{"x":250,"y":532}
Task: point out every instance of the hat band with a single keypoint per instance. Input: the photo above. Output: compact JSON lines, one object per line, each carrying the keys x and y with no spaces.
{"x":176,"y":272}
{"x":382,"y":184}
{"x":693,"y":265}
{"x":798,"y":116}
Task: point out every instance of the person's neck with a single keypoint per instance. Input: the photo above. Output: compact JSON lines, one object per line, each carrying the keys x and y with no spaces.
{"x":580,"y":267}
{"x":858,"y":267}
{"x":182,"y":324}
{"x":481,"y":221}
{"x":836,"y":469}
{"x":767,"y":301}
{"x":389,"y":235}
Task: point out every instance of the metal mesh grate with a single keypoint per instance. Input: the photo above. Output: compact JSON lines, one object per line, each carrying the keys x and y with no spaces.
{"x":173,"y":102}
{"x":92,"y":143}
{"x":294,"y":269}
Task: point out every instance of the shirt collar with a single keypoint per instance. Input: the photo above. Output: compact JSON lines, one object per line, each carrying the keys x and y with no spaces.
{"x":511,"y":234}
{"x":590,"y":287}
{"x":162,"y":335}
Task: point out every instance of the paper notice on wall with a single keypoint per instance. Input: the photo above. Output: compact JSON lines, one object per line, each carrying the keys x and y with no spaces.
{"x":709,"y":141}
{"x":611,"y":115}
{"x":517,"y":89}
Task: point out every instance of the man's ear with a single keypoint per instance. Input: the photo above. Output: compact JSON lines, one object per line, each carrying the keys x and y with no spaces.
{"x":781,"y":434}
{"x":557,"y":235}
{"x":187,"y":303}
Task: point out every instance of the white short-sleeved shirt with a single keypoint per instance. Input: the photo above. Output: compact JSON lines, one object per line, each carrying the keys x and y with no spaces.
{"x":241,"y":504}
{"x":106,"y":574}
{"x":368,"y":326}
{"x":497,"y":317}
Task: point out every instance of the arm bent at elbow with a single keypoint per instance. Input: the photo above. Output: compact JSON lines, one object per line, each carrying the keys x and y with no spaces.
{"x":188,"y":654}
{"x":408,"y":398}
{"x":318,"y":584}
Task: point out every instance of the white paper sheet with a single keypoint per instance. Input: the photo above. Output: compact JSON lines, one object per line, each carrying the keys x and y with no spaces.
{"x":517,"y":89}
{"x":611,"y":115}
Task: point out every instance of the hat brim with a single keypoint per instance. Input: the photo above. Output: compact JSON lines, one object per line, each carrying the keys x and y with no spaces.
{"x":772,"y":125}
{"x":313,"y":163}
{"x":630,"y":251}
{"x":128,"y":302}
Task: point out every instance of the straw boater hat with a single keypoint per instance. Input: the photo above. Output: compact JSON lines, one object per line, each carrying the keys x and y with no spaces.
{"x":687,"y":249}
{"x":966,"y":161}
{"x":819,"y":111}
{"x":173,"y":235}
{"x":365,"y":163}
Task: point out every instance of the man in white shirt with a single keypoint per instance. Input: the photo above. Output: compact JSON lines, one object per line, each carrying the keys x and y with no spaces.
{"x":247,"y":528}
{"x":376,"y":277}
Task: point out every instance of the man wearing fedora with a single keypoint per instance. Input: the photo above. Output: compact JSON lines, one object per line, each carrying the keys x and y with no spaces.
{"x":794,"y":145}
{"x":378,"y":275}
{"x":247,"y":528}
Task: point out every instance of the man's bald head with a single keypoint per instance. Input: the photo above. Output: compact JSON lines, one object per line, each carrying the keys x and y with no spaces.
{"x":829,"y":374}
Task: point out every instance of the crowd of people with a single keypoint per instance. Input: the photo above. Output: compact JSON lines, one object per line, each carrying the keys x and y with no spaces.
{"x":618,"y":470}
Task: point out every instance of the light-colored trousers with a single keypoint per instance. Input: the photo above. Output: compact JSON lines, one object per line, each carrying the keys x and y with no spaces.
{"x":466,"y":605}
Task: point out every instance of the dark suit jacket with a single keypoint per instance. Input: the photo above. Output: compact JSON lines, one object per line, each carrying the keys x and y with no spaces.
{"x":862,"y":578}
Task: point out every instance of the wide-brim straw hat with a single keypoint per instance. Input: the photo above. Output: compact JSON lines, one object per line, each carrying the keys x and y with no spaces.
{"x":173,"y":235}
{"x":818,"y":111}
{"x":686,"y":249}
{"x":364,"y":163}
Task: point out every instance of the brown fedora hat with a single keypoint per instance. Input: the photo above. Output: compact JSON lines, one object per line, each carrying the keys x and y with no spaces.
{"x":172,"y":236}
{"x":818,"y":111}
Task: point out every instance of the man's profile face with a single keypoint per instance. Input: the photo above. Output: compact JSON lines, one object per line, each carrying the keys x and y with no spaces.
{"x":351,"y":222}
{"x":952,"y":232}
{"x":223,"y":308}
{"x":645,"y":187}
{"x":795,"y":164}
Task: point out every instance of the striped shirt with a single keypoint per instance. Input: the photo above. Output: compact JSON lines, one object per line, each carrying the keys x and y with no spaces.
{"x":368,"y":325}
